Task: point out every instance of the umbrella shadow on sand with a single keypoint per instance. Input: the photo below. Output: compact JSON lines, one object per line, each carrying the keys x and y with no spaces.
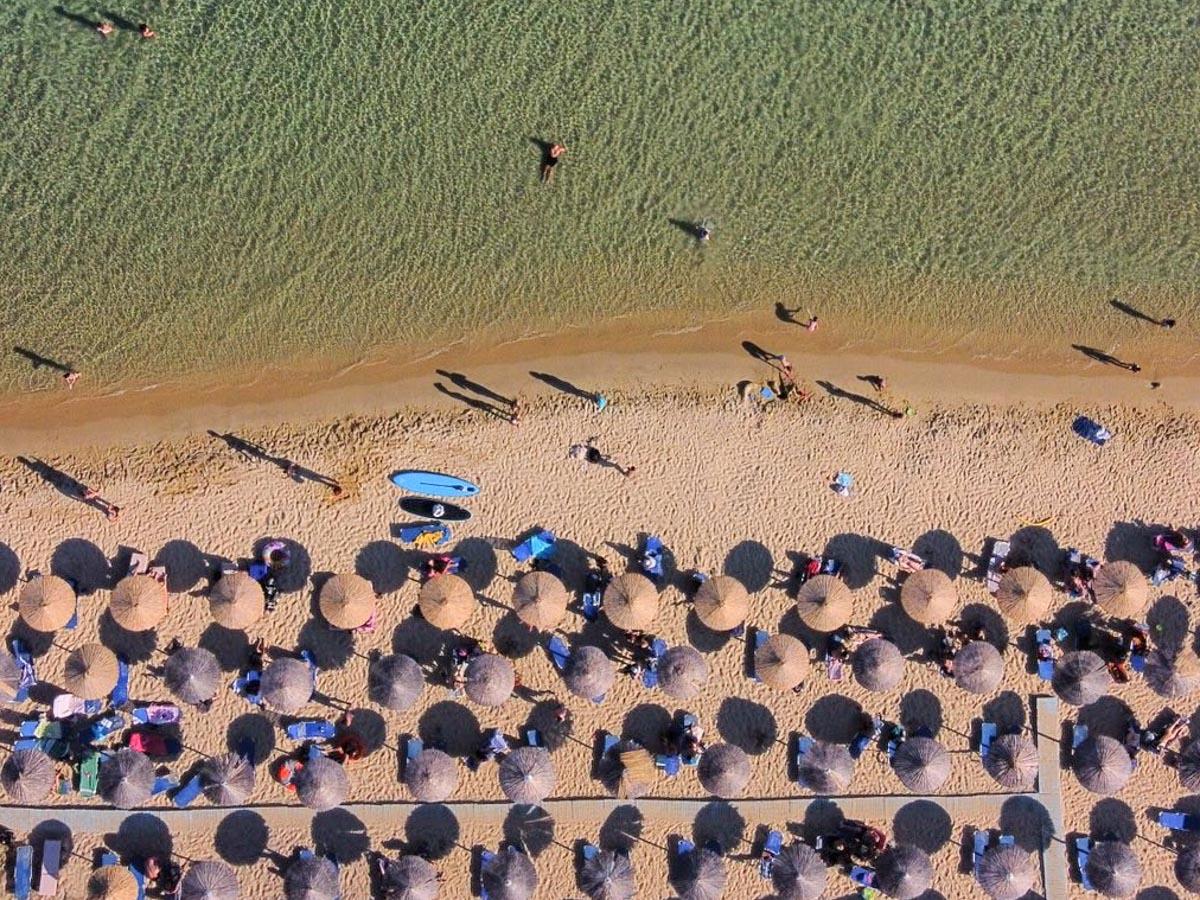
{"x":241,"y":837}
{"x":921,"y":709}
{"x":646,"y":723}
{"x":82,"y":564}
{"x":721,"y":822}
{"x":941,"y":550}
{"x":857,"y":553}
{"x":923,"y":824}
{"x":1028,"y":822}
{"x":255,"y":728}
{"x":530,"y":828}
{"x":450,"y":727}
{"x":141,"y":834}
{"x":418,"y":639}
{"x":341,"y":833}
{"x":431,"y":830}
{"x":332,"y":648}
{"x":186,"y":564}
{"x":385,"y":565}
{"x":622,"y":829}
{"x":834,"y":718}
{"x":1112,"y":819}
{"x":134,"y":646}
{"x":294,"y":577}
{"x":748,"y":725}
{"x":231,"y":648}
{"x":10,"y":568}
{"x":1133,"y":542}
{"x":751,"y":563}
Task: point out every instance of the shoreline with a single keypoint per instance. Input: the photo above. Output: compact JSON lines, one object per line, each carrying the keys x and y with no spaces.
{"x":622,"y":356}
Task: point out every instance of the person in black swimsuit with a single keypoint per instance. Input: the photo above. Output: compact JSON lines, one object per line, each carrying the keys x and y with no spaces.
{"x":550,"y":160}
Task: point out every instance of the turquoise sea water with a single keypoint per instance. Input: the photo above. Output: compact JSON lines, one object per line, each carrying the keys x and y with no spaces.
{"x":273,"y":178}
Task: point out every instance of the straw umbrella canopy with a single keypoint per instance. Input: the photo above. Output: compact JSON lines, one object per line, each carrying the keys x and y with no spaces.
{"x":112,"y":883}
{"x":90,"y":672}
{"x":286,"y":685}
{"x":1024,"y":595}
{"x":631,"y":602}
{"x":1187,"y":868}
{"x":236,"y":601}
{"x":540,"y":600}
{"x":228,"y":779}
{"x":322,"y":784}
{"x":978,"y":668}
{"x":209,"y":879}
{"x":705,"y":878}
{"x":1080,"y":677}
{"x":314,"y":878}
{"x":781,"y":662}
{"x":347,"y":601}
{"x":922,"y":765}
{"x":126,"y":778}
{"x":1012,"y":760}
{"x":799,"y":873}
{"x":46,"y":603}
{"x":410,"y":878}
{"x":628,"y":770}
{"x":1114,"y":869}
{"x":192,"y":674}
{"x":395,"y":682}
{"x":1102,"y":765}
{"x":928,"y":596}
{"x":878,"y":665}
{"x":608,"y":876}
{"x":10,"y":677}
{"x":1173,"y":675}
{"x":446,"y":601}
{"x":722,"y":603}
{"x":490,"y":679}
{"x":527,"y":775}
{"x":1006,"y":873}
{"x":138,"y":603}
{"x":903,"y":871}
{"x":1121,"y":589}
{"x":682,"y":672}
{"x":589,"y":673}
{"x":509,"y":875}
{"x":27,"y":776}
{"x":432,"y":777}
{"x":825,"y":768}
{"x":1189,"y":766}
{"x":724,"y":770}
{"x":824,"y":603}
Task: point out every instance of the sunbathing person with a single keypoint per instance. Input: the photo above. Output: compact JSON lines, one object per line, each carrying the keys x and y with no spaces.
{"x":906,"y":560}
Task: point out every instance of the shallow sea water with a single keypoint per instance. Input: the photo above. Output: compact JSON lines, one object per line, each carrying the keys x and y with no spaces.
{"x":274,"y":178}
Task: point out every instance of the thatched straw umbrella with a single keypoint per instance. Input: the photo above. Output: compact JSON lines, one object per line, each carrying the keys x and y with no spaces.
{"x":1173,"y":675}
{"x":395,"y":682}
{"x":286,"y":685}
{"x":490,"y":679}
{"x":347,"y":601}
{"x":46,"y":603}
{"x":90,"y":672}
{"x":904,"y":872}
{"x":27,"y":776}
{"x":705,"y":876}
{"x":112,"y":883}
{"x":10,"y":677}
{"x":1121,"y":589}
{"x":825,"y":768}
{"x":781,"y":662}
{"x":724,"y":770}
{"x":878,"y":665}
{"x":799,"y":873}
{"x":1012,"y":760}
{"x":608,"y":876}
{"x":589,"y":673}
{"x":527,"y":775}
{"x":1114,"y":869}
{"x":628,"y":770}
{"x":631,"y":602}
{"x":1080,"y":677}
{"x":1102,"y":764}
{"x":432,"y":777}
{"x":1187,"y":868}
{"x":928,"y":596}
{"x":192,"y":674}
{"x":322,"y":784}
{"x":824,"y":603}
{"x":236,"y":601}
{"x":682,"y":672}
{"x":447,"y":601}
{"x":410,"y":878}
{"x":1006,"y":873}
{"x":1189,"y":766}
{"x":228,"y":779}
{"x":509,"y":875}
{"x":978,"y":668}
{"x":540,"y":600}
{"x":209,"y":879}
{"x":314,"y":878}
{"x":1024,"y":595}
{"x":138,"y":602}
{"x":126,"y":778}
{"x":722,"y":603}
{"x":922,"y":765}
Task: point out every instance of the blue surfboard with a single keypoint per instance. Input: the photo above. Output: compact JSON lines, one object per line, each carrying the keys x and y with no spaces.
{"x":433,"y":484}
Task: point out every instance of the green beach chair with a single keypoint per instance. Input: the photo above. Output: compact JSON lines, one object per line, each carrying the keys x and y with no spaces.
{"x":89,"y":775}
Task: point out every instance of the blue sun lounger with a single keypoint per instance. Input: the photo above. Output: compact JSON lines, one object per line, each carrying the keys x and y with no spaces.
{"x":669,"y":764}
{"x":653,"y":552}
{"x":1091,"y":430}
{"x":610,"y":741}
{"x":982,"y":839}
{"x":23,"y":872}
{"x":485,"y":857}
{"x":109,"y":859}
{"x":1083,"y":852}
{"x":684,"y":848}
{"x":28,"y":672}
{"x":533,"y":737}
{"x":987,"y":734}
{"x":771,"y":847}
{"x":246,"y":686}
{"x":1178,"y":821}
{"x":311,"y":730}
{"x":140,"y":877}
{"x":536,"y":546}
{"x":760,"y":639}
{"x":189,"y":792}
{"x":162,"y":784}
{"x":1045,"y":667}
{"x":591,"y":605}
{"x":589,"y":852}
{"x":413,"y":748}
{"x":102,"y":728}
{"x":1079,"y":734}
{"x":559,"y":653}
{"x":120,"y":692}
{"x":862,"y":876}
{"x":804,"y":746}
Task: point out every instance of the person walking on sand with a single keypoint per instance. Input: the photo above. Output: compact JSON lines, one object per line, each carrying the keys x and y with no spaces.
{"x":70,"y":378}
{"x":812,"y":324}
{"x":550,"y":160}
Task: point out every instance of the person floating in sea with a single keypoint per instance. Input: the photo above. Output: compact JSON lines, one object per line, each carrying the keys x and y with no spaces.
{"x":105,"y":28}
{"x":550,"y":160}
{"x":812,"y":324}
{"x":146,"y":31}
{"x":70,"y":378}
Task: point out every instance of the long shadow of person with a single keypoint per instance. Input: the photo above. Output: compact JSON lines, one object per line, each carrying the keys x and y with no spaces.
{"x":783,"y":314}
{"x":65,"y":484}
{"x":462,"y":381}
{"x":1134,"y":312}
{"x":37,"y":360}
{"x":475,"y":403}
{"x":87,"y":23}
{"x":1105,"y":358}
{"x":695,"y":230}
{"x":870,"y":402}
{"x":561,"y":384}
{"x":119,"y":21}
{"x":759,"y":353}
{"x":248,"y":449}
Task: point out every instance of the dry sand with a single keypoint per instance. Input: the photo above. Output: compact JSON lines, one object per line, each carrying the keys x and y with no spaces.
{"x":728,"y":489}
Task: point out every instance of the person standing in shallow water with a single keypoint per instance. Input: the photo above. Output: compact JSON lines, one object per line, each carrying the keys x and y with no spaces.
{"x":550,"y":160}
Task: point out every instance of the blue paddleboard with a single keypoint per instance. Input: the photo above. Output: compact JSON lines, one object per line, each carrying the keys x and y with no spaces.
{"x":433,"y":484}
